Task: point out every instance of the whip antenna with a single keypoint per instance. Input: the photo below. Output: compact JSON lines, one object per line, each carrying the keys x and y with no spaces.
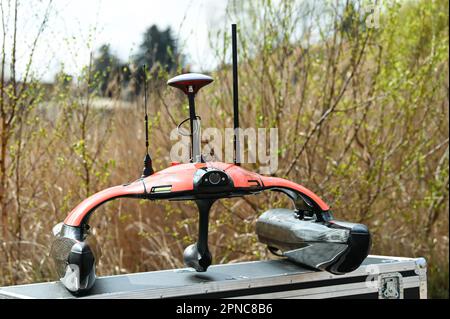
{"x":148,"y":169}
{"x":236,"y":144}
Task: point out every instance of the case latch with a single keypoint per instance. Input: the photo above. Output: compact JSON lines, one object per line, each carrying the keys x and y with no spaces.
{"x":390,"y":286}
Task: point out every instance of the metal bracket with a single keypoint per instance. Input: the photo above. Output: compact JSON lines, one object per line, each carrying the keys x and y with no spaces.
{"x":421,"y":270}
{"x":390,"y":286}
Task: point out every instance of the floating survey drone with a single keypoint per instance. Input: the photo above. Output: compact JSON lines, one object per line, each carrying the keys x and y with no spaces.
{"x":308,"y":234}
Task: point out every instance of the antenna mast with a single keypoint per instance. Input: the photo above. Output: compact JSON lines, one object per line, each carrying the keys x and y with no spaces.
{"x":236,"y":142}
{"x":148,"y":169}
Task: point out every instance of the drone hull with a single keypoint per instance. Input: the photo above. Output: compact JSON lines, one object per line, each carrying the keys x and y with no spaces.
{"x":334,"y":246}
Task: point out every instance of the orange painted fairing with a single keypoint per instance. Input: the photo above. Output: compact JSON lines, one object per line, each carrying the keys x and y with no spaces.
{"x":76,"y":216}
{"x":280,"y":182}
{"x":241,"y":177}
{"x":179,"y":176}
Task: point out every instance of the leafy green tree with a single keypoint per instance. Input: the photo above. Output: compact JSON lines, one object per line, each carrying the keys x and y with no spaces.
{"x":157,"y":47}
{"x":158,"y":51}
{"x":106,"y":64}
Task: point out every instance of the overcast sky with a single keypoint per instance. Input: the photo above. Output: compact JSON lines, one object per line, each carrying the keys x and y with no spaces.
{"x":118,"y":22}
